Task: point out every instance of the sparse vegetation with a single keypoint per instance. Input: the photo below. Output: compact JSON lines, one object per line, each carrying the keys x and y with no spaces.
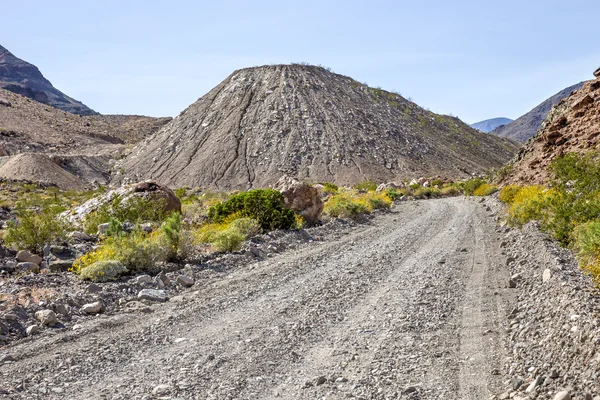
{"x":569,"y":210}
{"x":264,"y":205}
{"x":485,"y":190}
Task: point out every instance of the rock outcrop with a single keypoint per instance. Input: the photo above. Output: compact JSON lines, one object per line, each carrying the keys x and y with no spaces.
{"x":573,"y":125}
{"x":23,"y":78}
{"x":301,"y":197}
{"x":307,"y":122}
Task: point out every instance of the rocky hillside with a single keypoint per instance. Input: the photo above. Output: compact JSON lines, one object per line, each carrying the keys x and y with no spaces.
{"x":526,"y":126}
{"x":81,"y":145}
{"x":28,"y":126}
{"x":573,"y":125}
{"x":307,"y":122}
{"x":25,"y":79}
{"x":490,"y":124}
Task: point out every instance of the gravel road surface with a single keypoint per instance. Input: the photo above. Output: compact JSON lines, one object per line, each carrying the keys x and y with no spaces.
{"x":409,"y":305}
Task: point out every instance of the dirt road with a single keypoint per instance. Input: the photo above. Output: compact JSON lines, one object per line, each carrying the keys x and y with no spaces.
{"x":408,"y":305}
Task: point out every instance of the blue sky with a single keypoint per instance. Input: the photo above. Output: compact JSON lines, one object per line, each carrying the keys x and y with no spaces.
{"x":154,"y":57}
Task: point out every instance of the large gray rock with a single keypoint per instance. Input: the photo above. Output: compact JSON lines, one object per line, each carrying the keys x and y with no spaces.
{"x":28,"y":267}
{"x":153,"y":295}
{"x":26,"y":256}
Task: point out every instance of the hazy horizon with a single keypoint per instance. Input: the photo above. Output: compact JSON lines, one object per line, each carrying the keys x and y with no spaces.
{"x":472,"y":61}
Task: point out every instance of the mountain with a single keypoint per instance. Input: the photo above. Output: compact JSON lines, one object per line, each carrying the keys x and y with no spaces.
{"x":81,"y":144}
{"x":573,"y":125}
{"x":23,"y":78}
{"x":525,"y":127}
{"x":490,"y":124}
{"x":305,"y":121}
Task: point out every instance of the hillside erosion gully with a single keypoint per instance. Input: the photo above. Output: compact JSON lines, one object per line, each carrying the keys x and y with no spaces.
{"x":411,"y":304}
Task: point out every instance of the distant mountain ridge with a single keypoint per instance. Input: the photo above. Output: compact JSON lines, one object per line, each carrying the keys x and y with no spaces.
{"x":490,"y":124}
{"x":526,"y":126}
{"x":21,"y":77}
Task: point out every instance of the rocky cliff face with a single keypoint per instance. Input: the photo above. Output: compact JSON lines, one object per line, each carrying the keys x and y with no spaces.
{"x":525,"y":127}
{"x":304,"y":121}
{"x":23,"y":78}
{"x":573,"y":125}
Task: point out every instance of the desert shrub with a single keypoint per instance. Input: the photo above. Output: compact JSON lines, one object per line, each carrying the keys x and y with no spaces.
{"x":366,"y":186}
{"x":135,"y":209}
{"x":36,"y":228}
{"x":230,"y":239}
{"x":137,"y":251}
{"x":425,"y":192}
{"x":330,"y":188}
{"x":507,"y":193}
{"x":343,"y":205}
{"x":469,"y":187}
{"x":264,"y":205}
{"x":351,"y":204}
{"x":247,"y":226}
{"x":437,"y":182}
{"x":450,"y":190}
{"x":103,"y":271}
{"x":587,"y":244}
{"x":485,"y":190}
{"x":226,"y":236}
{"x":528,"y":204}
{"x":394,"y":194}
{"x":170,"y":232}
{"x":115,"y":228}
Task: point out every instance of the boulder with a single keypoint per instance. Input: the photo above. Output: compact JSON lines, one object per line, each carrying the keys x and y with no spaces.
{"x":28,"y":267}
{"x":147,"y":189}
{"x":26,"y":256}
{"x":46,"y":317}
{"x":153,"y":295}
{"x":185,"y":280}
{"x":156,"y":190}
{"x":93,"y":308}
{"x":5,"y":103}
{"x":301,"y":197}
{"x":597,"y":73}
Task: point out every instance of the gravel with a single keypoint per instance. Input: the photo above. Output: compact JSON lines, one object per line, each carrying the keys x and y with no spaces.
{"x":411,"y":304}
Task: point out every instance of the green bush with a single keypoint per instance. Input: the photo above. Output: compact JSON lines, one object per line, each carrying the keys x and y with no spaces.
{"x":366,"y":186}
{"x":485,"y":190}
{"x":330,"y":188}
{"x":171,"y":232}
{"x":395,"y":194}
{"x":103,"y":271}
{"x":507,"y":193}
{"x":246,"y":226}
{"x":471,"y":185}
{"x":135,"y":209}
{"x":34,"y":229}
{"x":231,"y":239}
{"x":264,"y":205}
{"x":587,"y":245}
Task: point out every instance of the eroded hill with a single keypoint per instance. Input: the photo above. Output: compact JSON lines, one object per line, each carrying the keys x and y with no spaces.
{"x":305,"y":121}
{"x":573,"y":125}
{"x":525,"y":127}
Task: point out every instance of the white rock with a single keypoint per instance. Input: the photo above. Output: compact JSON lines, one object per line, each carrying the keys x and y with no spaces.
{"x":93,"y":308}
{"x":546,"y":275}
{"x":140,"y":280}
{"x":32,"y":330}
{"x":161,"y":389}
{"x":564,"y":395}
